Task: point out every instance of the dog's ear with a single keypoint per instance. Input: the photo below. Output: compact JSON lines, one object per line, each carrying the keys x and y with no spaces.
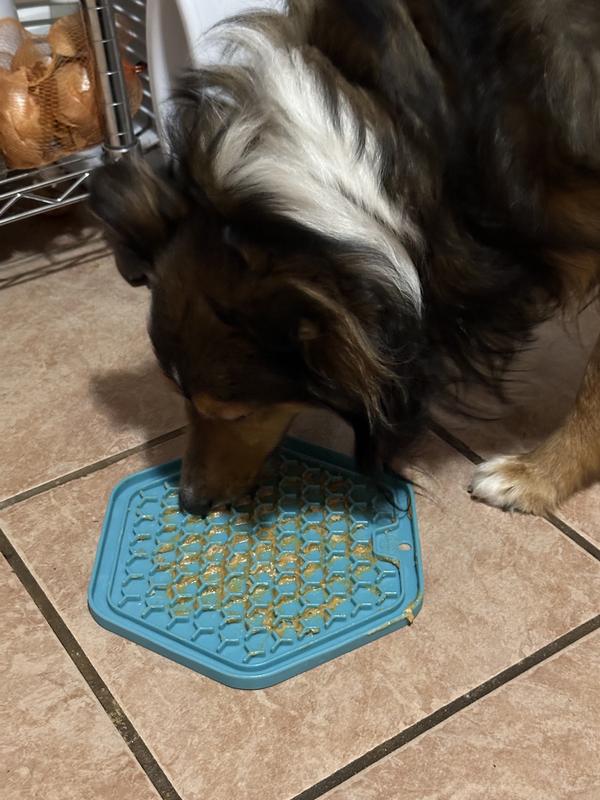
{"x":355,"y":375}
{"x":339,"y":351}
{"x":140,"y":209}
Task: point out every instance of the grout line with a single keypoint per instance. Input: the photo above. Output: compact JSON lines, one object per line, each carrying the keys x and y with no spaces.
{"x":574,"y":535}
{"x":560,"y":525}
{"x":445,"y":712}
{"x":114,"y":711}
{"x":96,"y":466}
{"x":456,"y":443}
{"x":128,"y":731}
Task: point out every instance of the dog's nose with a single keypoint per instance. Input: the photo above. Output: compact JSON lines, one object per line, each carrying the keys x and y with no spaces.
{"x":192,"y":503}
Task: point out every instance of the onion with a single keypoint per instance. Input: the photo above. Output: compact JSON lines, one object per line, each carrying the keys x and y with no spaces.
{"x":75,"y":100}
{"x":134,"y":86}
{"x":21,"y":128}
{"x":12,"y":34}
{"x":67,"y":36}
{"x":76,"y":105}
{"x":35,"y":56}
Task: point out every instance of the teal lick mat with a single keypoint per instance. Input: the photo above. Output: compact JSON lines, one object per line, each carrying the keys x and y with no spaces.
{"x":316,"y":563}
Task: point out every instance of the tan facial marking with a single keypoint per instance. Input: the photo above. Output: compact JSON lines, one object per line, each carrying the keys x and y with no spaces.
{"x":224,"y":457}
{"x":210,"y":408}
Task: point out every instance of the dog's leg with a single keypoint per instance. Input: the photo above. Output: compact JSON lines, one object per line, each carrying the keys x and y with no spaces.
{"x":567,"y":461}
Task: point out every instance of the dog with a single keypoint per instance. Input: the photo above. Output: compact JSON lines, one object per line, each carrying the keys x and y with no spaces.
{"x":367,"y":204}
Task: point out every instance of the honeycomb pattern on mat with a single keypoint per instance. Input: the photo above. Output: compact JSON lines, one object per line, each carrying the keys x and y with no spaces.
{"x":291,"y":564}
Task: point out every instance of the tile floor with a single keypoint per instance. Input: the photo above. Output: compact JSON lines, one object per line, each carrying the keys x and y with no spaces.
{"x":492,"y":693}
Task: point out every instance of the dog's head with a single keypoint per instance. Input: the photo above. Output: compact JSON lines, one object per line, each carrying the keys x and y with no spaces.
{"x":254,"y":325}
{"x":279,"y":269}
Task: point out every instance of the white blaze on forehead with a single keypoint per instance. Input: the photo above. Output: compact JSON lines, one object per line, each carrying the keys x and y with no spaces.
{"x":296,"y":151}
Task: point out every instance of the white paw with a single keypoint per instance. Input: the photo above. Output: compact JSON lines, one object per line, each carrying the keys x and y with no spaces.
{"x":494,"y":484}
{"x":518,"y":483}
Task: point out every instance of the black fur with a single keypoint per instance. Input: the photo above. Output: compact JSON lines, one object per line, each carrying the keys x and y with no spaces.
{"x":485,"y":135}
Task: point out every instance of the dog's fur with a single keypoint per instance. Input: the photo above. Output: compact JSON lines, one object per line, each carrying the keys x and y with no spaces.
{"x":368,"y":204}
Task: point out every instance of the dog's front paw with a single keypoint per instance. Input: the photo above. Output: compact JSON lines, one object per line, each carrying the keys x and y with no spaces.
{"x":514,"y":483}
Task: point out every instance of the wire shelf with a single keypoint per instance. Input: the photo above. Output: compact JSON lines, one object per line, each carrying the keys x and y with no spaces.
{"x":26,"y":193}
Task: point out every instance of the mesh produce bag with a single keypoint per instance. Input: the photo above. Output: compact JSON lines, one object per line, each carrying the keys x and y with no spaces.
{"x":48,"y":105}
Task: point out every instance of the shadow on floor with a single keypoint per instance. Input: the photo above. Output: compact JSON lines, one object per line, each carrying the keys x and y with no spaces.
{"x":42,"y":245}
{"x":136,"y":398}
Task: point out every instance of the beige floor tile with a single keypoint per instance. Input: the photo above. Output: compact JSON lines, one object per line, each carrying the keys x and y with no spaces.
{"x":79,"y":382}
{"x":56,"y":742}
{"x":582,"y":512}
{"x":545,"y":384}
{"x":497,"y":589}
{"x":536,"y":738}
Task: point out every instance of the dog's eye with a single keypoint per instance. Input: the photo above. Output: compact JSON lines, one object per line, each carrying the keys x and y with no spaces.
{"x":225,"y":315}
